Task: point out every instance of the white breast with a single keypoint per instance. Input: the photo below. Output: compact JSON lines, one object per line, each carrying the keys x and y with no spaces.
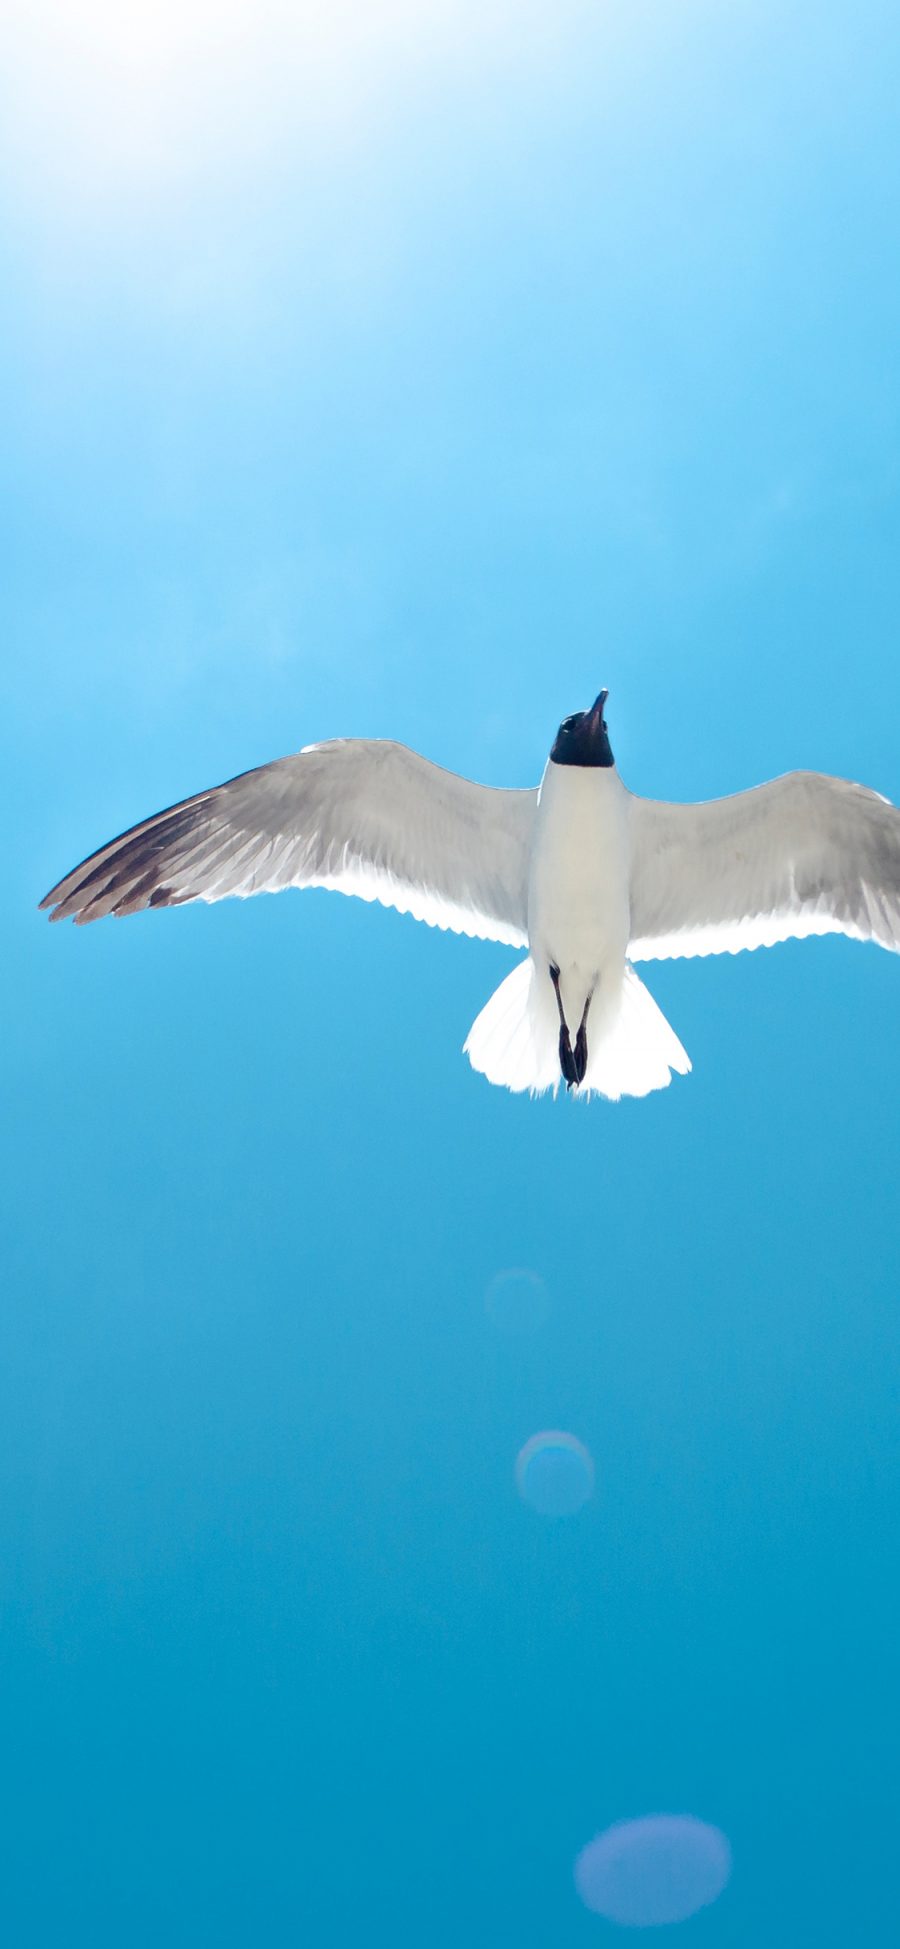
{"x":578,"y":915}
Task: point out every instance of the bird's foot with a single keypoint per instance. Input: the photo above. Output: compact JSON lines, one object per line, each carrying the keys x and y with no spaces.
{"x":572,"y":1063}
{"x":579,"y":1057}
{"x":567,"y":1061}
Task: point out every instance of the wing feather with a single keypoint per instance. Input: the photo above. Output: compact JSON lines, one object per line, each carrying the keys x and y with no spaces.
{"x":361,"y":816}
{"x":805,"y":854}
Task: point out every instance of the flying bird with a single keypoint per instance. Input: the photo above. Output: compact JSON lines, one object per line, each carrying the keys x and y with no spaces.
{"x":579,"y":871}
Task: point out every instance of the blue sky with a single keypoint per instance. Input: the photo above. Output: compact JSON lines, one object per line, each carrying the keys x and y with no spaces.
{"x":414,"y":372}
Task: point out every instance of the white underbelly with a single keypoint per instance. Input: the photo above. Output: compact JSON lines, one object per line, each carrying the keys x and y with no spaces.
{"x":578,"y":907}
{"x":578,"y":925}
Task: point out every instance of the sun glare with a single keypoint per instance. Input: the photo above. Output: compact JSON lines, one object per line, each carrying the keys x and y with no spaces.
{"x":106,"y":97}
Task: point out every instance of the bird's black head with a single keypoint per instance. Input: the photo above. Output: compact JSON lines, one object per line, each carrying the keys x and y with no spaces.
{"x":582,"y":739}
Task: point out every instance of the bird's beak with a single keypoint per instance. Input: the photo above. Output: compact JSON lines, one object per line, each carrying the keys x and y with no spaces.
{"x":597,"y":710}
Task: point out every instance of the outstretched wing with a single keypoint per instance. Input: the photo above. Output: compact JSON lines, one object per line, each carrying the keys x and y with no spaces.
{"x":362,"y":816}
{"x":803,"y":855}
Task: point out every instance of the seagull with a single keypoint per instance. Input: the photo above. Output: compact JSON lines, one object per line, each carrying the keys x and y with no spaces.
{"x":582,"y":873}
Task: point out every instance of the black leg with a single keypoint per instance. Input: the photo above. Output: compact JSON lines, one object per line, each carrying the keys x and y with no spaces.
{"x":567,"y":1062}
{"x":581,"y":1049}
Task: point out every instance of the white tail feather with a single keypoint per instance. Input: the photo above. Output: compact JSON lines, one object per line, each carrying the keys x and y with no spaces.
{"x":511,"y":1042}
{"x":515,"y":1040}
{"x":638,"y":1050}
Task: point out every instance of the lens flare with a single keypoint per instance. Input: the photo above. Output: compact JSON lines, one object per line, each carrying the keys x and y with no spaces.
{"x":656,"y":1870}
{"x":554,"y":1473}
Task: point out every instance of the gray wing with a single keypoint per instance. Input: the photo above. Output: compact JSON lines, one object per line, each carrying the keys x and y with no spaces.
{"x":803,"y":855}
{"x":364,"y":817}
